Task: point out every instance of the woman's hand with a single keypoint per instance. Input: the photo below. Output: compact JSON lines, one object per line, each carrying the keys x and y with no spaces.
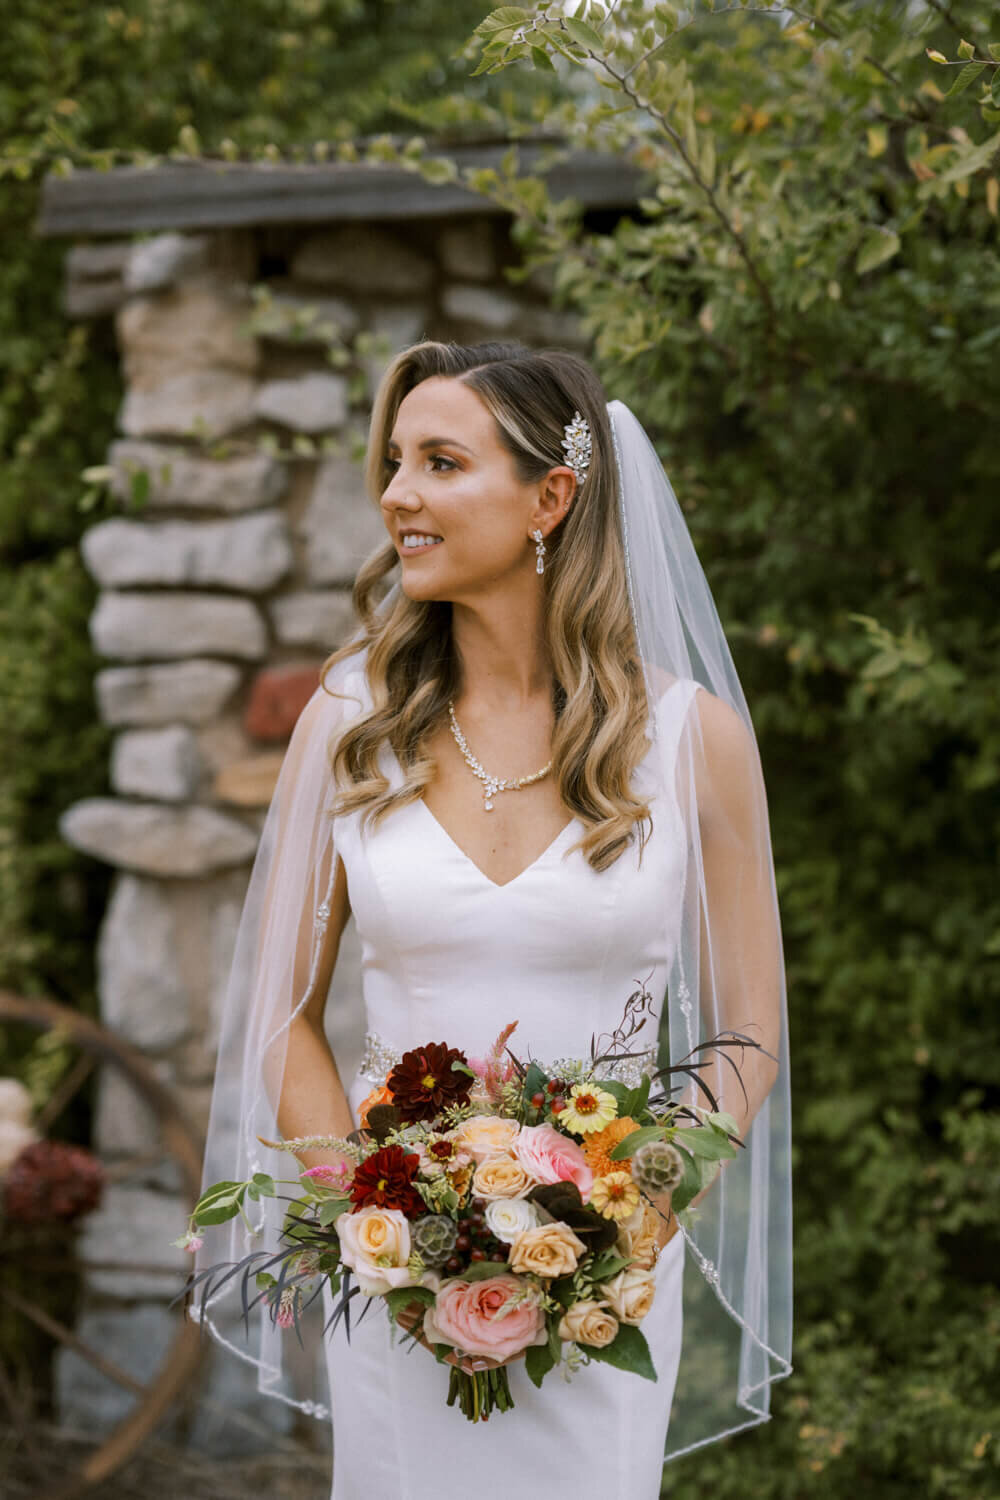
{"x":668,"y":1225}
{"x":468,"y":1364}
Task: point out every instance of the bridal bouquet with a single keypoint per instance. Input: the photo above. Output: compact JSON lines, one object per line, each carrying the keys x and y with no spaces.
{"x":496,"y":1207}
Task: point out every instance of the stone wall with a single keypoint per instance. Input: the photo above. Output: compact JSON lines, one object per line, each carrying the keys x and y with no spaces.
{"x":249,"y":361}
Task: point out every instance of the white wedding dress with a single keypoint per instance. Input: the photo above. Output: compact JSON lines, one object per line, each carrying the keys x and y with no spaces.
{"x":450,"y":956}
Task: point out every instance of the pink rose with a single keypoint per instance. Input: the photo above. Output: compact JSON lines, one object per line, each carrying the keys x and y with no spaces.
{"x":469,"y":1315}
{"x":550,"y":1156}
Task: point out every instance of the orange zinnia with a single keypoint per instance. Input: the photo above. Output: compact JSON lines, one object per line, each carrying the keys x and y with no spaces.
{"x":596,"y":1147}
{"x":380,"y":1095}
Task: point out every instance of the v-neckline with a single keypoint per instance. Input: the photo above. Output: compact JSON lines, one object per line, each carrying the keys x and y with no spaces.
{"x":495,"y":884}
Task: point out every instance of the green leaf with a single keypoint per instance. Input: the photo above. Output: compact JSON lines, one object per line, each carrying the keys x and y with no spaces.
{"x":724,"y":1121}
{"x":534,"y":1082}
{"x":689,"y":1186}
{"x":538,"y":1361}
{"x":584,"y":34}
{"x":264,"y":1184}
{"x":710,"y":1144}
{"x":628,"y":1350}
{"x":604,"y":1267}
{"x":402,"y":1297}
{"x":481,"y":1270}
{"x":631,"y":1143}
{"x":878,"y":246}
{"x":637,"y":1101}
{"x":967,"y":76}
{"x":220,"y":1203}
{"x":541,"y":59}
{"x":330,"y":1211}
{"x":504,"y":19}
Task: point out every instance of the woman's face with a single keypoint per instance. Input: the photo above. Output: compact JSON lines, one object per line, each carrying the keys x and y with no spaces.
{"x":450,"y":479}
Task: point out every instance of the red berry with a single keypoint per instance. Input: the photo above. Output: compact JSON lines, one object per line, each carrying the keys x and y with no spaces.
{"x":557,"y":1106}
{"x":553,"y":1085}
{"x":478,"y":1255}
{"x":538,"y":1100}
{"x":463,"y":1242}
{"x":479,"y":1205}
{"x":453,"y":1263}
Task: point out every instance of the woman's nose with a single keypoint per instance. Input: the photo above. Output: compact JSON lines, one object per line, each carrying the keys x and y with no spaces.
{"x":399,"y":493}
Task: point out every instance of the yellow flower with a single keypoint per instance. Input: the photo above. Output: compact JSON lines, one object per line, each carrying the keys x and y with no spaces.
{"x":588,"y":1109}
{"x":596,"y":1147}
{"x":615,"y":1196}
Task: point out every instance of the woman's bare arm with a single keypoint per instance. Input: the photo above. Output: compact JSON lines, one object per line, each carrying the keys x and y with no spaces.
{"x":313,"y":1100}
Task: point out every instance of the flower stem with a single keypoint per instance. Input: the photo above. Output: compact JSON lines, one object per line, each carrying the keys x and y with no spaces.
{"x":480,"y":1393}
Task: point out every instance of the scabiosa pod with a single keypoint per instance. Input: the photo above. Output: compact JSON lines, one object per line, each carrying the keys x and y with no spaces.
{"x":656,"y":1167}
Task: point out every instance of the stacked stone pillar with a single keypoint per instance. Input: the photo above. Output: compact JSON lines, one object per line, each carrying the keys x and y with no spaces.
{"x":224,"y":581}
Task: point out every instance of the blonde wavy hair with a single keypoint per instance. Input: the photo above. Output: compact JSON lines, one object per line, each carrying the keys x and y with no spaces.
{"x":599,"y":694}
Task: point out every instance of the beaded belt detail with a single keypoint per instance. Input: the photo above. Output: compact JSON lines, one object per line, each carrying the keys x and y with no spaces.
{"x":379,"y":1059}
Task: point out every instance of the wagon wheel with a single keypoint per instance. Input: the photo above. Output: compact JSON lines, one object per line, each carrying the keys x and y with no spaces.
{"x":26,"y":1394}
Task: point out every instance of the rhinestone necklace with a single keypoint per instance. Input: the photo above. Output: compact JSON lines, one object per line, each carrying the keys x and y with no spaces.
{"x":491,"y":784}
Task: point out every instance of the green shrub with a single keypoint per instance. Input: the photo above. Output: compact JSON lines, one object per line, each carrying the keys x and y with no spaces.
{"x":804,"y":314}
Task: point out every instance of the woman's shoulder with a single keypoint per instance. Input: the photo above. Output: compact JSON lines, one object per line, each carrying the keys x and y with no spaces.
{"x":725,"y":741}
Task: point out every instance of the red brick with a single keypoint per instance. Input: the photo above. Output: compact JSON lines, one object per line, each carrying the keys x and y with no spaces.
{"x":277,"y":697}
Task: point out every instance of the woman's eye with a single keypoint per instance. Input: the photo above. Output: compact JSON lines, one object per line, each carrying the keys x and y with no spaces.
{"x":437,"y":458}
{"x":392,"y":464}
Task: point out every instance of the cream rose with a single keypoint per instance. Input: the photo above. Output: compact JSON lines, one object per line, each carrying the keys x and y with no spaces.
{"x":637,"y":1237}
{"x":375,"y":1243}
{"x":501,"y":1177}
{"x":589,"y":1323}
{"x":630,"y":1294}
{"x":486,"y":1135}
{"x":509,"y":1217}
{"x":550,"y":1250}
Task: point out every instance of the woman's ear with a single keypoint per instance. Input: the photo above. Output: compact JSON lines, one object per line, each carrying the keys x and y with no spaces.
{"x":555,"y":497}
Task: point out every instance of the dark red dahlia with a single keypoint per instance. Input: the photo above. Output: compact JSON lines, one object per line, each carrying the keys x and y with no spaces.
{"x":424,"y":1082}
{"x":51,"y":1181}
{"x":385,"y":1180}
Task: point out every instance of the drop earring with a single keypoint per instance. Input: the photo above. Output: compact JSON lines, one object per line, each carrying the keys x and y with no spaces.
{"x":539,"y":551}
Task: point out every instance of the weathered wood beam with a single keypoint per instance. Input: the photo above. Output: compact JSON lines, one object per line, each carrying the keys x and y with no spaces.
{"x":204,"y":195}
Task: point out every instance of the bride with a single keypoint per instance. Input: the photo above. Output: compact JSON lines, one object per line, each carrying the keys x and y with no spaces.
{"x":532,"y":778}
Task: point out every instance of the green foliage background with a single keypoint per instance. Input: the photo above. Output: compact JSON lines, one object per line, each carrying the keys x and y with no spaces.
{"x":95,"y":84}
{"x":805,"y":313}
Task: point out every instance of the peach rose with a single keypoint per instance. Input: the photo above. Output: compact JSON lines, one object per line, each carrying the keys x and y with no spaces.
{"x":491,"y":1318}
{"x":552,"y":1157}
{"x":589,"y":1323}
{"x":375,"y":1243}
{"x":548,"y":1250}
{"x":487,"y":1135}
{"x":501,"y":1177}
{"x":638,"y":1236}
{"x":630,"y":1294}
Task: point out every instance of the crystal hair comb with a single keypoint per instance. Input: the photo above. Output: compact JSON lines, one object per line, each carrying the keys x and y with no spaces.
{"x":576,"y":446}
